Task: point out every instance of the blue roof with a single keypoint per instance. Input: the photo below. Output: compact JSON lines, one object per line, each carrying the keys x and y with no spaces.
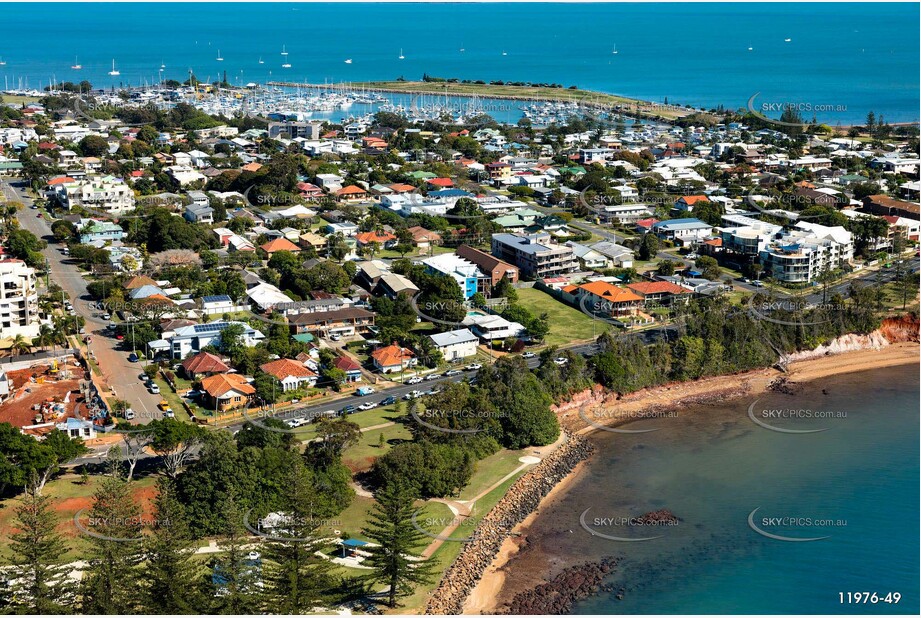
{"x":450,"y":193}
{"x":353,"y":543}
{"x":216,"y":299}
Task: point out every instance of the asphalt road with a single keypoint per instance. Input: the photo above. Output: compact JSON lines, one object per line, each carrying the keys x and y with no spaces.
{"x":117,"y":371}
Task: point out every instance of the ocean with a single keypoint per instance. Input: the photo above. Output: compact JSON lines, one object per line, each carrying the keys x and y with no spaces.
{"x":841,"y":60}
{"x":855,"y":484}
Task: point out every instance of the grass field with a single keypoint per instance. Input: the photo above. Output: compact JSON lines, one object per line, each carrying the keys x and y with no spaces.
{"x":567,"y":323}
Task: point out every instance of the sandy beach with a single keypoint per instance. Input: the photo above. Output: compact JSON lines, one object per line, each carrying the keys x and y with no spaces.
{"x":482,"y":599}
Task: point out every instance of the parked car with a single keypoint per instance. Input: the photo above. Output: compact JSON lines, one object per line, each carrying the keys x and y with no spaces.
{"x":106,"y":316}
{"x":153,"y":388}
{"x":414,"y":380}
{"x":560,"y":360}
{"x":168,"y":413}
{"x":412,"y":395}
{"x":473,"y":367}
{"x":389,"y":401}
{"x":758,"y":284}
{"x":364,"y":390}
{"x":129,"y":414}
{"x":433,"y":376}
{"x":453,"y":372}
{"x":349,"y":409}
{"x":163,"y":405}
{"x":120,"y":337}
{"x":335,"y":337}
{"x":528,"y":355}
{"x":133,"y":357}
{"x":368,"y":406}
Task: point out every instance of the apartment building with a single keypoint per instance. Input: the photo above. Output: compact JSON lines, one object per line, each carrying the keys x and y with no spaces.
{"x":107,"y":193}
{"x":802,"y":254}
{"x":468,"y":275}
{"x":535,"y":255}
{"x":18,"y":300}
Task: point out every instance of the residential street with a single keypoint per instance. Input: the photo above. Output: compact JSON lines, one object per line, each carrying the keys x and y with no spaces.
{"x":117,"y":371}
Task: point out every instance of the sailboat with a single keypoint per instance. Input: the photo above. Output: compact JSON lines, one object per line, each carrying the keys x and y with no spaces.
{"x":114,"y":71}
{"x":614,"y":51}
{"x":401,"y":54}
{"x":504,"y":53}
{"x":286,"y":65}
{"x":284,"y":52}
{"x":787,"y":40}
{"x":76,"y":65}
{"x":2,"y":62}
{"x":219,"y":58}
{"x":348,"y":61}
{"x":750,"y":48}
{"x":162,"y":65}
{"x":260,"y":60}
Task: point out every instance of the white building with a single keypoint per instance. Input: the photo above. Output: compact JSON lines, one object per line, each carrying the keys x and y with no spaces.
{"x":18,"y":300}
{"x":455,"y":344}
{"x":107,"y":193}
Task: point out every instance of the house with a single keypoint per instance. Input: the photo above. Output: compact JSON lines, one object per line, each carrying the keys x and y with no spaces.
{"x":660,"y":292}
{"x":687,"y":202}
{"x":588,"y":257}
{"x":77,"y":428}
{"x":392,"y":285}
{"x":423,"y":238}
{"x":226,"y":391}
{"x":104,"y":231}
{"x":455,"y":344}
{"x":199,"y":214}
{"x":351,"y":193}
{"x":491,"y":265}
{"x":384,"y":239}
{"x":291,"y":374}
{"x":682,"y":230}
{"x":351,"y":368}
{"x":601,"y":297}
{"x":499,"y":172}
{"x":203,"y":364}
{"x":493,"y":327}
{"x":193,"y":338}
{"x":216,"y":305}
{"x":346,"y":322}
{"x":393,"y":358}
{"x":279,"y":244}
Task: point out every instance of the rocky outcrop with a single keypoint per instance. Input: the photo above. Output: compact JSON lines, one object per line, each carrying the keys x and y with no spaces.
{"x":521,"y":500}
{"x":902,"y":328}
{"x":562,"y":592}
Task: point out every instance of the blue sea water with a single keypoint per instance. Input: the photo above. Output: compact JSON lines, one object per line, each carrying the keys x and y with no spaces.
{"x":845,"y":58}
{"x":711,"y":466}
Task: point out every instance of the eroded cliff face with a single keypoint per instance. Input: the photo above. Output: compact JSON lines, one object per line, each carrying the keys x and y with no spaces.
{"x":903,"y":328}
{"x":892,"y":330}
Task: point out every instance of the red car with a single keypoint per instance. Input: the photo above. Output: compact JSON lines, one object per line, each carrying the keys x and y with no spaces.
{"x":119,"y":337}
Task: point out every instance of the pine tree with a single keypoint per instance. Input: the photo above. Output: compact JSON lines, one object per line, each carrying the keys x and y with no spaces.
{"x":41,"y":583}
{"x":394,"y":558}
{"x":110,"y":583}
{"x":171,"y":577}
{"x":239,"y":578}
{"x":296,"y":578}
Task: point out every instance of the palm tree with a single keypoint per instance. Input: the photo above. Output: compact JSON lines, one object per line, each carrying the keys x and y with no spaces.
{"x":20,"y":345}
{"x":45,"y":337}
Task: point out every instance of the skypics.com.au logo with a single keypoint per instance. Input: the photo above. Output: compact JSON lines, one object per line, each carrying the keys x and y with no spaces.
{"x":796,"y":108}
{"x":628,"y":529}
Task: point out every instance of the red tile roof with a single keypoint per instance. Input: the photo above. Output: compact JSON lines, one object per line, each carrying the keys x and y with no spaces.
{"x":223,"y":383}
{"x":204,"y":362}
{"x":346,"y":364}
{"x":657,"y":287}
{"x":285,"y":367}
{"x":391,"y":355}
{"x":280,"y":244}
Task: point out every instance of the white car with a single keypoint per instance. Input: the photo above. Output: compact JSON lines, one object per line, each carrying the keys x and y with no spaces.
{"x":414,"y":380}
{"x":528,"y":355}
{"x":758,"y":284}
{"x":412,"y":395}
{"x":253,"y":555}
{"x":432,"y":376}
{"x":560,"y":360}
{"x":368,"y":406}
{"x":473,"y":367}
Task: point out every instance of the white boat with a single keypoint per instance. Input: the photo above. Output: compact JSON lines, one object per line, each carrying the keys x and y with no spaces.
{"x":614,"y":51}
{"x":504,"y":53}
{"x":348,"y":61}
{"x":787,"y":40}
{"x":284,"y":52}
{"x":162,"y":65}
{"x":286,"y":65}
{"x":76,"y":66}
{"x":114,"y":72}
{"x":260,"y":60}
{"x":750,"y":48}
{"x":2,"y":62}
{"x":401,"y":54}
{"x":219,"y":58}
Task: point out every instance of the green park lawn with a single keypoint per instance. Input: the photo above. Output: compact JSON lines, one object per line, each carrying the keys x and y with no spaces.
{"x":567,"y":324}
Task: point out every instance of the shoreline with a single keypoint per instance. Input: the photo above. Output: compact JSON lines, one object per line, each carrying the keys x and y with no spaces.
{"x":483,"y":598}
